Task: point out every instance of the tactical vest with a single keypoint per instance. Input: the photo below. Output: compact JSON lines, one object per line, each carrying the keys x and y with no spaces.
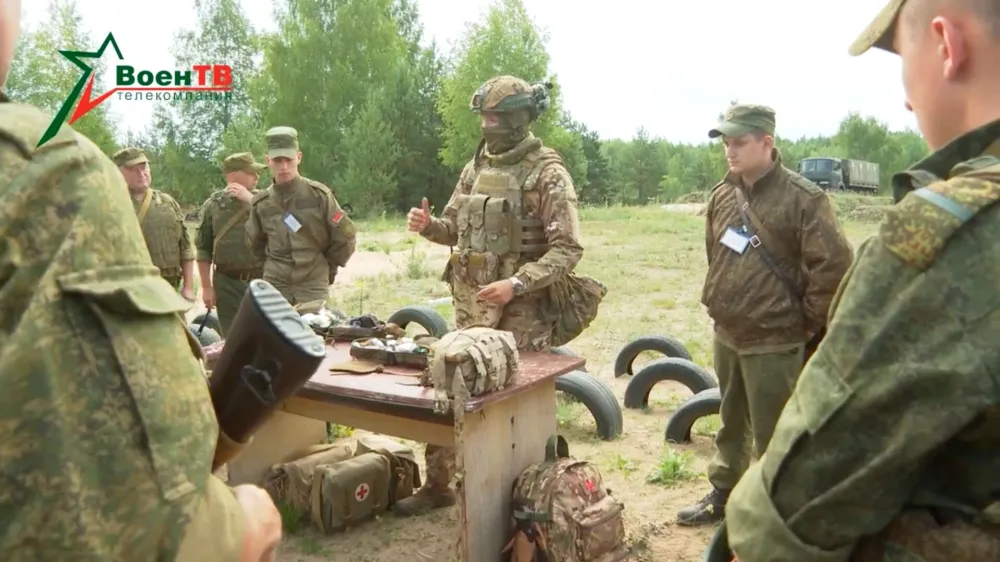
{"x":162,"y":232}
{"x":496,"y":234}
{"x":230,"y":251}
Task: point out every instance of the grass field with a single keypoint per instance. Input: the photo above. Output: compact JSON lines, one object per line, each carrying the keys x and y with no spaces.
{"x":653,"y":262}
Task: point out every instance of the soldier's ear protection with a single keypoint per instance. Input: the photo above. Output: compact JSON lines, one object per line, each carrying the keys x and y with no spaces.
{"x":540,"y":99}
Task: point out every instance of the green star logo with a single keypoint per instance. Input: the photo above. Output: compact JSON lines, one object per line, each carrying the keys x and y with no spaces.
{"x":87,"y":103}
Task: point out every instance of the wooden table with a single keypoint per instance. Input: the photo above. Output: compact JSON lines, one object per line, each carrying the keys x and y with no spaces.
{"x":503,"y":433}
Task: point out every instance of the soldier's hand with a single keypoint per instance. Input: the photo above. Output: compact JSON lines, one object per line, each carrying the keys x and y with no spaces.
{"x":499,"y":292}
{"x":418,"y":219}
{"x":239,"y":191}
{"x":188,"y":293}
{"x":208,"y":297}
{"x":262,"y":532}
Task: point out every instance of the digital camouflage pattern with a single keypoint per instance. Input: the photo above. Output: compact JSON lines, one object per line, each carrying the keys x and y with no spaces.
{"x":106,"y":437}
{"x":561,"y":508}
{"x":539,"y":197}
{"x":892,"y":429}
{"x":302,"y":264}
{"x":221,"y":239}
{"x":752,"y":310}
{"x":167,"y":239}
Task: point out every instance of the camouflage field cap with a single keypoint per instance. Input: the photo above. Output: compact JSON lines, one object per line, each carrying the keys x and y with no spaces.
{"x":129,"y":157}
{"x":741,"y":119}
{"x":880,"y":31}
{"x":282,"y":142}
{"x":241,"y":162}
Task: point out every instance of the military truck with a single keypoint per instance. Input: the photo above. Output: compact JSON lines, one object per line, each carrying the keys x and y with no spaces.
{"x":841,"y":174}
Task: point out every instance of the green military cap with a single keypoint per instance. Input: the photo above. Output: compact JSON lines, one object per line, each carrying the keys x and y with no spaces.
{"x":880,"y":32}
{"x":241,"y":162}
{"x":282,"y":142}
{"x":129,"y":157}
{"x":741,"y":119}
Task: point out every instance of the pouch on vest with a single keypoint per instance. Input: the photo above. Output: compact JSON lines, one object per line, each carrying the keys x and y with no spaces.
{"x":350,"y":492}
{"x":291,"y":481}
{"x":573,"y":302}
{"x":470,"y":362}
{"x":402,"y":463}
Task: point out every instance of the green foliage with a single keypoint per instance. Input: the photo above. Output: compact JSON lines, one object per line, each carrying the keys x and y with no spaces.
{"x":383,"y":119}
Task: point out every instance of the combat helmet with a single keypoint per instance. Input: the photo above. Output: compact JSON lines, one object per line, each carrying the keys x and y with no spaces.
{"x":509,"y":94}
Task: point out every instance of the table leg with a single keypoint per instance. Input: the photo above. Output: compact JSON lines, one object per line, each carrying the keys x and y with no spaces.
{"x":497,"y":444}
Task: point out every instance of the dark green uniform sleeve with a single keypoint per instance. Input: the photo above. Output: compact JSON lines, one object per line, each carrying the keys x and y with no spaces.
{"x":826,"y":256}
{"x":907,"y":364}
{"x":255,"y":236}
{"x":205,"y":238}
{"x":342,"y":235}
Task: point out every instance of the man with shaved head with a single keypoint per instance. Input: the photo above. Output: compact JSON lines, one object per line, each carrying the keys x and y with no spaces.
{"x":889,"y":448}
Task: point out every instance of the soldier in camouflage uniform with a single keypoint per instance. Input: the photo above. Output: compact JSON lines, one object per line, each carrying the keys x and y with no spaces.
{"x":297,"y":227}
{"x":889,"y":448}
{"x":222,"y":239}
{"x":107,"y":430}
{"x":162,"y":222}
{"x":768,"y":289}
{"x":498,"y":276}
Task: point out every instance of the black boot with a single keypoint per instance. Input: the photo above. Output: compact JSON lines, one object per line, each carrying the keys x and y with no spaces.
{"x":709,"y":509}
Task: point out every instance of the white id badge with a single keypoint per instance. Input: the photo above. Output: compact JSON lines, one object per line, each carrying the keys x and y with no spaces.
{"x":734,"y":241}
{"x":292,"y":223}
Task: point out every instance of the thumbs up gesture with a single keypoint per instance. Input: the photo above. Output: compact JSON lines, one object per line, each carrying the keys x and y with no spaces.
{"x":418,"y":219}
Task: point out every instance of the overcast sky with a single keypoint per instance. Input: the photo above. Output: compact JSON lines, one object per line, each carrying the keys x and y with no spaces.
{"x":671,"y":67}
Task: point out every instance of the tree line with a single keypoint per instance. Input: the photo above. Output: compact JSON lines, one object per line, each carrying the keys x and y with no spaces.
{"x":383,"y":120}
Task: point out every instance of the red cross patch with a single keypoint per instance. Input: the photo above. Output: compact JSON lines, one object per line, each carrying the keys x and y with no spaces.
{"x":589,"y":485}
{"x":337,"y":216}
{"x":361,"y":492}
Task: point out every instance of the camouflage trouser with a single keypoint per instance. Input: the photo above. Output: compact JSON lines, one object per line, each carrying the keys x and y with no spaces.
{"x":754,"y":391}
{"x":440,"y":466}
{"x":300,"y":295}
{"x":229,"y":293}
{"x":520,"y":316}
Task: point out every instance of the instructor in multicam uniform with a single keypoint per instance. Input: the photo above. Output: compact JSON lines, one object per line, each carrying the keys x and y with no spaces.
{"x":776,"y":254}
{"x":297,"y":227}
{"x":889,"y":448}
{"x":221,"y":239}
{"x":107,"y":430}
{"x":498,"y":275}
{"x":162,"y":222}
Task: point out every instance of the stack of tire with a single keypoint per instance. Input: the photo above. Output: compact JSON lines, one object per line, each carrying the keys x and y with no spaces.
{"x":677,"y":366}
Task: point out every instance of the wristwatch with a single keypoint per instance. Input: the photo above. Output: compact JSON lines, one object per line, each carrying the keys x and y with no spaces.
{"x":518,"y":286}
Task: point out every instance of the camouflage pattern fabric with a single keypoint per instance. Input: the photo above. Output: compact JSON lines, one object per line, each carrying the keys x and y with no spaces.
{"x":561,"y":508}
{"x":301,"y":264}
{"x":167,"y":239}
{"x":752,"y":310}
{"x":106,"y":441}
{"x":892,"y":431}
{"x":440,"y":463}
{"x":549,"y":200}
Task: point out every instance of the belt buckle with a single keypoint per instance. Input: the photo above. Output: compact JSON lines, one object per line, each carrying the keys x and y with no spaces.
{"x":754,"y":241}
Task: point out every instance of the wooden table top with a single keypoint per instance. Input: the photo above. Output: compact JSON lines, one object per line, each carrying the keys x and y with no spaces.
{"x":399,"y":385}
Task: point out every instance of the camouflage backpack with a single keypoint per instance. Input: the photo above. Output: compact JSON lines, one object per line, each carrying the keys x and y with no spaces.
{"x":562,"y":512}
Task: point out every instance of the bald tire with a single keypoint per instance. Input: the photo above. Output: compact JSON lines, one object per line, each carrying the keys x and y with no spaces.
{"x":683,"y":371}
{"x":598,"y":398}
{"x":423,"y":316}
{"x":671,"y":347}
{"x":705,"y":403}
{"x":718,"y":548}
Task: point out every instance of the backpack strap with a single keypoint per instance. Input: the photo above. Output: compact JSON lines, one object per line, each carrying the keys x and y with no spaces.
{"x":556,"y":448}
